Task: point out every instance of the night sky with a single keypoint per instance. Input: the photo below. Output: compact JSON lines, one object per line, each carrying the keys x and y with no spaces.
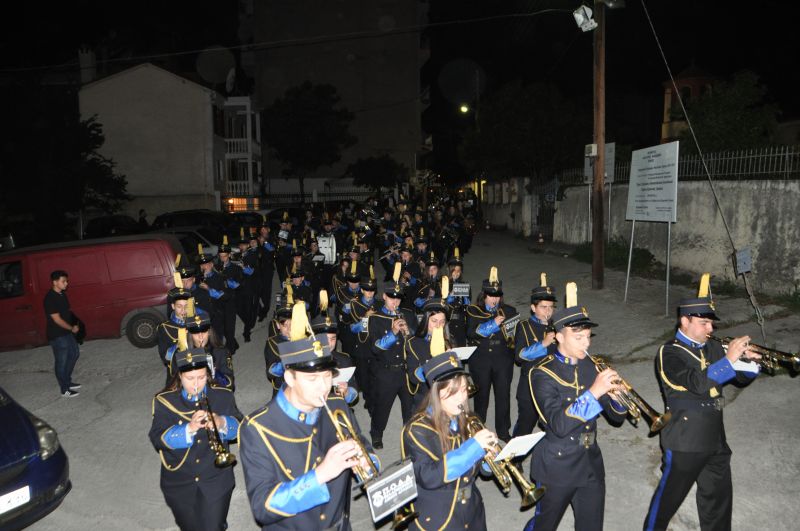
{"x":718,"y":37}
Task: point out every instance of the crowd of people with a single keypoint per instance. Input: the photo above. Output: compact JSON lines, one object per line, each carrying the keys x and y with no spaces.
{"x":403,"y":330}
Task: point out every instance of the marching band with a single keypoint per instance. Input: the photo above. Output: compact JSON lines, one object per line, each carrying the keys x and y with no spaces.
{"x":420,"y":337}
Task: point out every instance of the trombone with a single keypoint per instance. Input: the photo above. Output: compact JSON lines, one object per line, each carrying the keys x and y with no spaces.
{"x":504,"y":470}
{"x":770,"y":360}
{"x":632,"y":401}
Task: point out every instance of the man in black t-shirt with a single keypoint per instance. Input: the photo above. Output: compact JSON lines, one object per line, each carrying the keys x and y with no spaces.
{"x":60,"y":333}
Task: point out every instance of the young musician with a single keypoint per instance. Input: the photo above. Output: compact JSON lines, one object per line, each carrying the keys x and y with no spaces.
{"x":458,"y":319}
{"x":297,"y":472}
{"x":569,"y":394}
{"x":446,"y":458}
{"x":692,"y":369}
{"x":196,"y":490}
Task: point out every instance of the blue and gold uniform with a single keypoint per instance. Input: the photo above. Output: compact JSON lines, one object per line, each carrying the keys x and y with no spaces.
{"x":492,"y":363}
{"x":568,"y":460}
{"x":195,"y":489}
{"x":692,"y":375}
{"x":360,"y":309}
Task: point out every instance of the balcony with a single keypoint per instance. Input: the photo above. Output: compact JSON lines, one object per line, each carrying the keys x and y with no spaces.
{"x":240,"y":147}
{"x":239,"y":188}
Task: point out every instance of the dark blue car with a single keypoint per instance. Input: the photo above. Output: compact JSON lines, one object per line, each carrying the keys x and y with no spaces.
{"x":34,"y":470}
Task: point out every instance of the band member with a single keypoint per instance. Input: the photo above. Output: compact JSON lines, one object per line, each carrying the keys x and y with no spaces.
{"x":323,"y":324}
{"x":410,"y":275}
{"x":389,"y":329}
{"x":430,"y":283}
{"x":187,"y":415}
{"x":446,"y":459}
{"x":266,"y":268}
{"x":202,"y":336}
{"x":232,"y":276}
{"x":692,"y":370}
{"x":436,"y":314}
{"x":349,"y":291}
{"x":361,"y":309}
{"x":167,"y":332}
{"x":569,"y":394}
{"x":297,"y":473}
{"x":533,"y":340}
{"x":248,"y":293}
{"x":459,"y":303}
{"x":492,"y":363}
{"x":283,"y":323}
{"x":216,"y":293}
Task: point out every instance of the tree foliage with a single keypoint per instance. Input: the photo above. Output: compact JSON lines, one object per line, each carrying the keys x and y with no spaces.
{"x":307,"y":129}
{"x":51,"y":168}
{"x":733,"y":115}
{"x":377,"y":172}
{"x":525,"y":130}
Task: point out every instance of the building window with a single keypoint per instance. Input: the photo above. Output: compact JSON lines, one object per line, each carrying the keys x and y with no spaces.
{"x":686,"y":94}
{"x":11,"y":280}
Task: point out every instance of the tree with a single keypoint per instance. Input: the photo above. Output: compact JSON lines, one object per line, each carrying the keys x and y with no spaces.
{"x":732,"y":115}
{"x":51,"y":167}
{"x":377,"y":172}
{"x":307,"y":129}
{"x":525,"y":130}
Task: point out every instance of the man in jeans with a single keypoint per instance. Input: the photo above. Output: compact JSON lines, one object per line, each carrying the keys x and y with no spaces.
{"x":60,"y":332}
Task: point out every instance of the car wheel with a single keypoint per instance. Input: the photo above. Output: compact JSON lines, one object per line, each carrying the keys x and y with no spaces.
{"x":141,"y":330}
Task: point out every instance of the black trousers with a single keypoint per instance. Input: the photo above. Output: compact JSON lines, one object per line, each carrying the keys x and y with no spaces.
{"x":386,"y":386}
{"x":527,"y":416}
{"x":493,"y":369}
{"x":680,"y":470}
{"x":198,"y":513}
{"x":362,"y":356}
{"x":247,"y":306}
{"x":265,"y":292}
{"x":588,"y":507}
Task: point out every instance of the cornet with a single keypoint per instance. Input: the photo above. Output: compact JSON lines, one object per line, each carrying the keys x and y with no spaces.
{"x":630,"y":399}
{"x":770,"y":360}
{"x":504,"y":470}
{"x":223,"y":458}
{"x":346,"y":432}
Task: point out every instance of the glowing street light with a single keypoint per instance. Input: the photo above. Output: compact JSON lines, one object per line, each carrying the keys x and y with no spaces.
{"x":464,"y":108}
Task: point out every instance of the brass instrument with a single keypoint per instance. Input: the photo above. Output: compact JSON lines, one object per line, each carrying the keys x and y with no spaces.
{"x":404,"y":330}
{"x":223,"y":457}
{"x":345,"y":432}
{"x":770,"y":360}
{"x":504,"y":470}
{"x":632,"y":401}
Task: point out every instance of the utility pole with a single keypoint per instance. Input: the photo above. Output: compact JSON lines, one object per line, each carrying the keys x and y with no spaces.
{"x":598,"y":180}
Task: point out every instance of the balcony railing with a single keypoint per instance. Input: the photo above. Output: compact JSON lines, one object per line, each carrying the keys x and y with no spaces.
{"x":240,"y":188}
{"x":239,"y":146}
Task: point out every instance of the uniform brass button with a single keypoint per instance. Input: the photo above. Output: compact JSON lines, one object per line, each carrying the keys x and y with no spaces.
{"x":685,"y":418}
{"x":319,"y":459}
{"x":314,"y":431}
{"x":288,"y":470}
{"x":322,"y":517}
{"x":197,"y":478}
{"x":463,"y":502}
{"x":559,"y":453}
{"x":180,"y":422}
{"x":302,"y":416}
{"x":196,"y":460}
{"x":428,"y":519}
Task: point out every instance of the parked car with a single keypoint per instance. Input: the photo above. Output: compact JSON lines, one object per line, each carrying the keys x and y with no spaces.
{"x":208,"y":237}
{"x":116,"y":225}
{"x":247,"y":219}
{"x":116,"y":286}
{"x":34,"y":469}
{"x":184,"y":218}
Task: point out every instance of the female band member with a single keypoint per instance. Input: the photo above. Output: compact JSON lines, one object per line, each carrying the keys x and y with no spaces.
{"x":459,"y":303}
{"x":446,"y":459}
{"x":202,"y":336}
{"x":197,"y":491}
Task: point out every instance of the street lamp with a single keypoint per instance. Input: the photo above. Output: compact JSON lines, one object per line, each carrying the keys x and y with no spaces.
{"x":464,"y":108}
{"x":583,"y":18}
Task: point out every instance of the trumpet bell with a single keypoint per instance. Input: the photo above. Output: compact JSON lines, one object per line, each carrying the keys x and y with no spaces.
{"x":403,"y":517}
{"x":224,"y":460}
{"x":531,"y":496}
{"x":660,"y":421}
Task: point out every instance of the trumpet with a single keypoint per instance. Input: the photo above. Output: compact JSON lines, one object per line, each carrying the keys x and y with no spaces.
{"x":504,"y":470}
{"x":223,"y":458}
{"x":403,"y":326}
{"x":346,"y":432}
{"x":632,"y":401}
{"x":770,"y":360}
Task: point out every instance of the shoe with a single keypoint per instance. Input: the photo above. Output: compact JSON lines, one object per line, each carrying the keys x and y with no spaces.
{"x":69,"y":394}
{"x":247,"y":338}
{"x":377,"y":444}
{"x":74,"y":386}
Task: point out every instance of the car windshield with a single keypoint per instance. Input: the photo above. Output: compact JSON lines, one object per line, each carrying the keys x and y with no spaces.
{"x":212,"y":235}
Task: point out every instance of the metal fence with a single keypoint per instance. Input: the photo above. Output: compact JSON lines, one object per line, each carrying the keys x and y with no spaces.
{"x":291,"y":199}
{"x":777,"y":162}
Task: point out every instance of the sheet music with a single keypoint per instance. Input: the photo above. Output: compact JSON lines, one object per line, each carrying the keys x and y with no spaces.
{"x":519,"y":446}
{"x":344,"y":376}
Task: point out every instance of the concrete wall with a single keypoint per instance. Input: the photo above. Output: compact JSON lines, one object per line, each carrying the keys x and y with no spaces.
{"x":510,"y":206}
{"x":159,"y":131}
{"x":762,"y":215}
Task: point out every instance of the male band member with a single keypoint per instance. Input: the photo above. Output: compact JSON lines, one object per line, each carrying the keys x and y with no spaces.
{"x":569,"y":394}
{"x":282,"y":323}
{"x":492,"y":363}
{"x":167,"y":332}
{"x":217,"y":293}
{"x":692,"y":370}
{"x":247,"y":296}
{"x":361,"y":308}
{"x":532,"y":342}
{"x":389,"y":329}
{"x":297,"y":473}
{"x":232,"y":276}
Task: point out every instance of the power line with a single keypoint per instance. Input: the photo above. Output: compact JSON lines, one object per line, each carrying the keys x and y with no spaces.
{"x":306,"y":41}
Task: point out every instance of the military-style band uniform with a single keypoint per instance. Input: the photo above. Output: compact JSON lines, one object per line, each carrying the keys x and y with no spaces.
{"x":388,"y":369}
{"x":194,"y":488}
{"x":695,"y":448}
{"x":447,"y":490}
{"x":361,"y":351}
{"x":492,"y":363}
{"x":416,"y":352}
{"x":568,"y":460}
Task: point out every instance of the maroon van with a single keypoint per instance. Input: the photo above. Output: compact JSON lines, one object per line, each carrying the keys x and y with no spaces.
{"x":116,"y":286}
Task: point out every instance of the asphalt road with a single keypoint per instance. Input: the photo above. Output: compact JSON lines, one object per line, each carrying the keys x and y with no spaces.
{"x":115,"y":470}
